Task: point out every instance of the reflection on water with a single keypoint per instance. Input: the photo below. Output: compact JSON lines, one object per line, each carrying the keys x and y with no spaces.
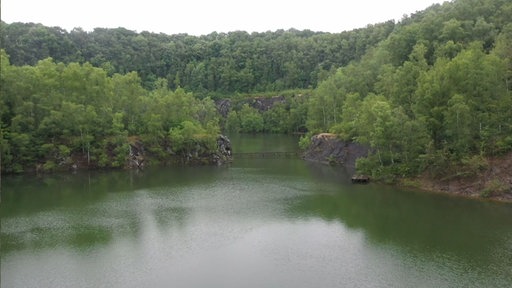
{"x":87,"y":208}
{"x":256,"y":223}
{"x":477,"y":232}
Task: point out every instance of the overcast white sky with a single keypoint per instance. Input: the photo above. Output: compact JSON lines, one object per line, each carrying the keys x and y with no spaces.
{"x":199,"y":17}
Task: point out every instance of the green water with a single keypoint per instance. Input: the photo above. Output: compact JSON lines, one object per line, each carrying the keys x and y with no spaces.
{"x":256,"y":223}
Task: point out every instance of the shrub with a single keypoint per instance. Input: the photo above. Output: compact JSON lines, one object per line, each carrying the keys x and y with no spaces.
{"x":49,"y":166}
{"x":305,"y":141}
{"x":495,"y":187}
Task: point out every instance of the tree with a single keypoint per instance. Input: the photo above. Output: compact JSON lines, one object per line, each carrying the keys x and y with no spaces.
{"x":250,"y":120}
{"x":325,"y":104}
{"x":399,"y":85}
{"x":275,"y":119}
{"x":458,"y":125}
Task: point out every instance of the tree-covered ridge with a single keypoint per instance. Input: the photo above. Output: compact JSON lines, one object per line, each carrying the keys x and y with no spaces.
{"x":213,"y":64}
{"x":56,"y":114}
{"x":435,"y":95}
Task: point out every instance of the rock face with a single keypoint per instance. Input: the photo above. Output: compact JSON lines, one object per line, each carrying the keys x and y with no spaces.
{"x":223,"y":106}
{"x":138,"y":158}
{"x":224,"y":151}
{"x":327,"y":148}
{"x":261,"y":104}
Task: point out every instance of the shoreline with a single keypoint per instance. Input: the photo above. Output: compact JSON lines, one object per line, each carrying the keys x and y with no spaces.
{"x":492,"y":182}
{"x":420,"y":186}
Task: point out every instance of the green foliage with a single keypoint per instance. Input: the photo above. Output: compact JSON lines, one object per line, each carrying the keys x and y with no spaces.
{"x":275,"y":120}
{"x":57,"y":115}
{"x":494,"y":187}
{"x":251,"y":121}
{"x":190,"y":136}
{"x":325,"y":105}
{"x":471,"y":165}
{"x":435,"y":95}
{"x":232,"y":122}
{"x":49,"y":166}
{"x":285,"y":113}
{"x":432,"y":92}
{"x":209,"y":65}
{"x":305,"y":141}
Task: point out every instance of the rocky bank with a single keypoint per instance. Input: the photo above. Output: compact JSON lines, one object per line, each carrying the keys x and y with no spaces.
{"x":328,"y":149}
{"x":494,"y":182}
{"x":139,"y":158}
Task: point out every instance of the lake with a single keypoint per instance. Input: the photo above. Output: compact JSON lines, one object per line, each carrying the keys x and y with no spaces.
{"x":254,"y":223}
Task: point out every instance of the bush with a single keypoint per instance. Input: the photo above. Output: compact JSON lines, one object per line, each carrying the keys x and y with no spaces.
{"x":305,"y":141}
{"x":495,"y":187}
{"x":49,"y":166}
{"x":474,"y":164}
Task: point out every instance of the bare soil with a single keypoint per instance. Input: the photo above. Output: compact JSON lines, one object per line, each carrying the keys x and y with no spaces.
{"x":495,"y":182}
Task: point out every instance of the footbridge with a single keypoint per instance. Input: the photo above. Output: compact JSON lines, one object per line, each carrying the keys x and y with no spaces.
{"x":266,"y":155}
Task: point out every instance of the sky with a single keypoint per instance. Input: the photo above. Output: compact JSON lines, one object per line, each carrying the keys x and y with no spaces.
{"x":200,"y":17}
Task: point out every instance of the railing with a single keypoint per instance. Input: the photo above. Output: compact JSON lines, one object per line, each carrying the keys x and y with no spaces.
{"x":265,"y":155}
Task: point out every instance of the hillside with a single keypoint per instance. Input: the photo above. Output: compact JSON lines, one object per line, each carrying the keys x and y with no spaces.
{"x":217,"y":64}
{"x":434,"y":97}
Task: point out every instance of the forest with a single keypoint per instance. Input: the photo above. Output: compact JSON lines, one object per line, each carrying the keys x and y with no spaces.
{"x":434,"y":96}
{"x":431,"y":92}
{"x":212,"y":65}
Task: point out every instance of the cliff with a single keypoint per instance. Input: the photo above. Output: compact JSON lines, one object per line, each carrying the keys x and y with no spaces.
{"x":138,"y":157}
{"x":261,"y":104}
{"x":327,"y":148}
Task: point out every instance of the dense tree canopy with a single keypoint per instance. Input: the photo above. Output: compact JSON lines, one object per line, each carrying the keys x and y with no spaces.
{"x":56,"y":113}
{"x":214,"y":64}
{"x":435,"y":94}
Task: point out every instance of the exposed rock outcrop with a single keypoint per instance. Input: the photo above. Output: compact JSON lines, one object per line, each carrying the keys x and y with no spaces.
{"x":138,"y":158}
{"x":224,"y":153}
{"x":223,"y":106}
{"x":327,"y":148}
{"x":494,"y":182}
{"x":261,"y":104}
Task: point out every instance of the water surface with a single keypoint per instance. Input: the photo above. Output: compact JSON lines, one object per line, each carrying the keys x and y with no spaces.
{"x":256,"y":223}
